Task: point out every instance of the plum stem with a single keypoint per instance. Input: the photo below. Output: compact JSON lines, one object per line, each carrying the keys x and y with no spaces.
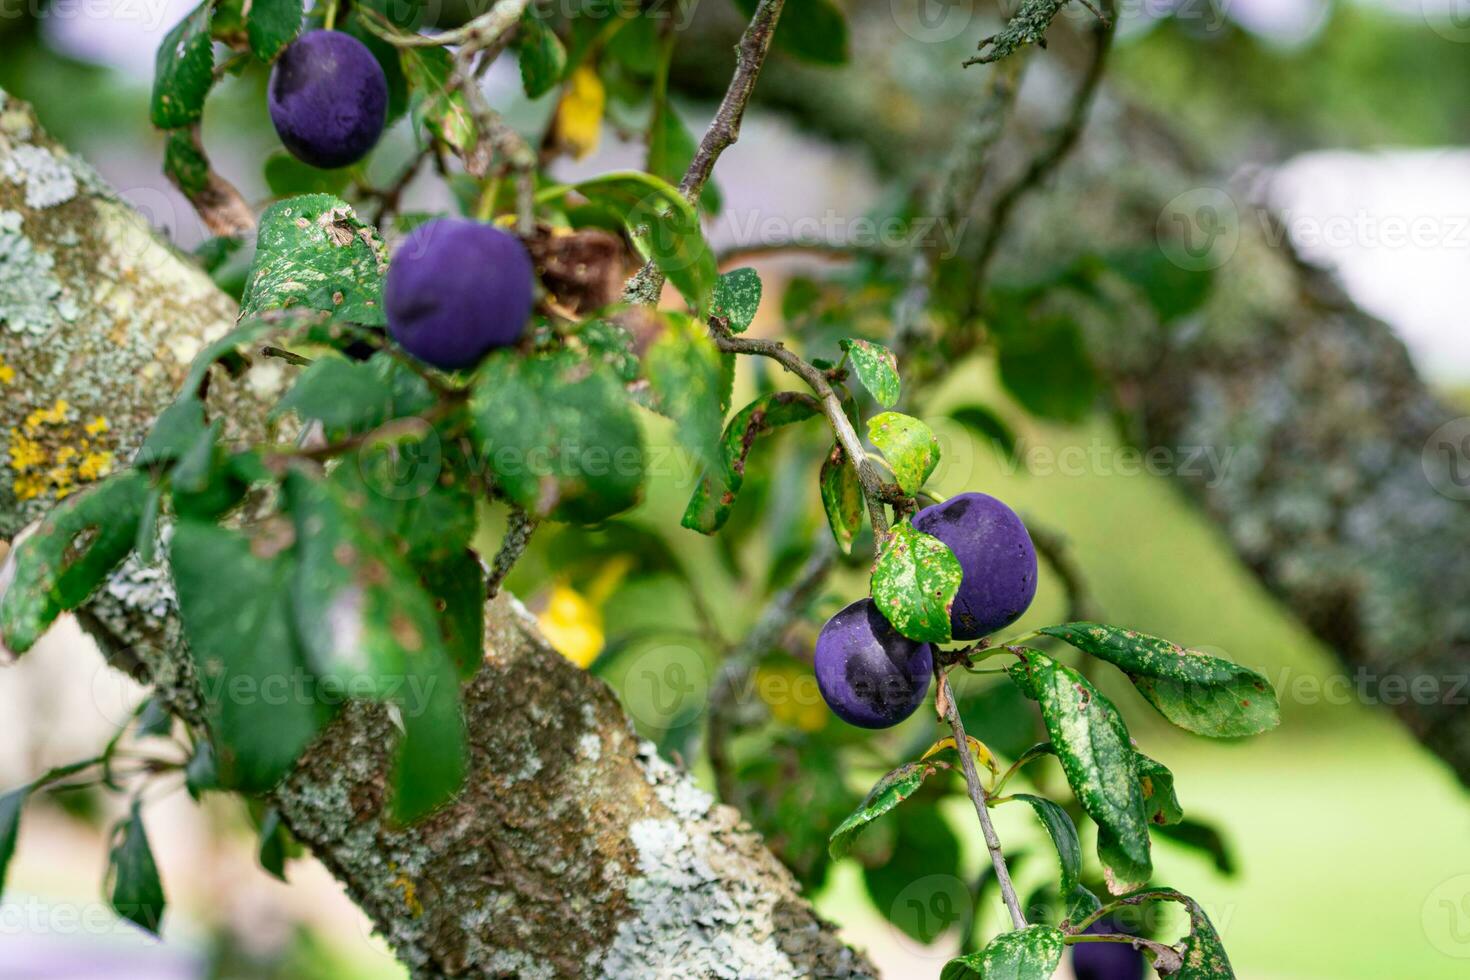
{"x":978,"y":797}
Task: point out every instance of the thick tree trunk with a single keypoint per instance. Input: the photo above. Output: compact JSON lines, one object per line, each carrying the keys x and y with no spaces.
{"x":1341,"y":492}
{"x":574,"y":850}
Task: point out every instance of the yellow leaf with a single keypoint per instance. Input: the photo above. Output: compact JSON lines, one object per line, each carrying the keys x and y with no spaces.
{"x":977,"y":748}
{"x":579,"y":116}
{"x":572,"y":625}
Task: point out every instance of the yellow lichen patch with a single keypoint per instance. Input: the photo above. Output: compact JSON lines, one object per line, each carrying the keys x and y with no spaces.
{"x":50,"y":456}
{"x":410,"y":895}
{"x":7,"y":373}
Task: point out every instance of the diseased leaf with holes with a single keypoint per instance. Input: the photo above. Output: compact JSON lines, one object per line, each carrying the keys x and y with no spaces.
{"x":1032,"y":953}
{"x":11,"y":805}
{"x":1063,"y":834}
{"x":1199,"y":693}
{"x":542,"y":57}
{"x":908,"y":445}
{"x":184,"y":161}
{"x":710,"y":506}
{"x":876,"y":368}
{"x":434,"y":106}
{"x":313,"y":252}
{"x":1091,"y":741}
{"x":987,"y":424}
{"x":685,"y":375}
{"x":914,"y":584}
{"x":72,"y":551}
{"x":1157,"y":784}
{"x":737,"y":298}
{"x":457,"y":585}
{"x":842,"y":498}
{"x":560,"y":433}
{"x":235,"y":606}
{"x":1202,"y":952}
{"x":665,"y":227}
{"x":887,"y":793}
{"x":1044,"y":363}
{"x":287,"y":176}
{"x":811,"y":30}
{"x":183,"y":71}
{"x":137,"y":893}
{"x":271,"y":25}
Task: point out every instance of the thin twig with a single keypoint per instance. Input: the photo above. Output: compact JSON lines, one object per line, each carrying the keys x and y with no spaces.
{"x":724,"y":130}
{"x":518,"y":533}
{"x":288,"y":356}
{"x":872,"y":483}
{"x":945,"y":696}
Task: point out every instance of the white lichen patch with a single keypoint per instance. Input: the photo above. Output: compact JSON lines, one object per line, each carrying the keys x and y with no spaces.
{"x":589,"y":746}
{"x":144,"y":589}
{"x":28,"y":285}
{"x":687,"y":922}
{"x":528,"y":770}
{"x":48,"y":179}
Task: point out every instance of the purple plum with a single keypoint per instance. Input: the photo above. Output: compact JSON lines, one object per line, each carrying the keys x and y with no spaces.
{"x":328,"y":99}
{"x":1106,"y":961}
{"x":869,"y":674}
{"x":996,"y":556}
{"x":456,"y":290}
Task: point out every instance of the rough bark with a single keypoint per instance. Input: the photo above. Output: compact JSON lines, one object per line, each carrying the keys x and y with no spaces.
{"x":574,"y":849}
{"x":1330,"y":496}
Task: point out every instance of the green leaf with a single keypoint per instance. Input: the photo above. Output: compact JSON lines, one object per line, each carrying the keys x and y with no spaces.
{"x":737,"y":297}
{"x":1206,"y":839}
{"x":406,"y":484}
{"x":287,"y":176}
{"x":137,"y":894}
{"x":542,"y":57}
{"x":432,"y":758}
{"x":908,"y":445}
{"x":1044,"y":364}
{"x":1032,"y":953}
{"x":205,"y":482}
{"x":10,"y":806}
{"x":914,"y":584}
{"x":842,"y":498}
{"x":671,"y":148}
{"x":234,"y":600}
{"x":1172,"y":290}
{"x":183,"y":71}
{"x":1081,"y":903}
{"x":1157,"y":784}
{"x":154,"y":718}
{"x":1063,"y":835}
{"x":876,"y":368}
{"x":271,"y":25}
{"x":1092,"y":743}
{"x":435,"y":106}
{"x":987,"y":424}
{"x":201,"y":772}
{"x":560,"y":434}
{"x":914,"y":885}
{"x":811,"y":30}
{"x":73,"y":550}
{"x":346,"y":397}
{"x":887,"y":793}
{"x":713,"y":499}
{"x":665,"y":227}
{"x":273,"y":844}
{"x":457,"y":585}
{"x":184,"y":161}
{"x":685,"y":375}
{"x":313,"y":252}
{"x":174,"y":432}
{"x":1199,"y":693}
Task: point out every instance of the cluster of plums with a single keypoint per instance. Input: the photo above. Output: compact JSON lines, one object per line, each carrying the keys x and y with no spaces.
{"x":871,"y":675}
{"x":456,"y":289}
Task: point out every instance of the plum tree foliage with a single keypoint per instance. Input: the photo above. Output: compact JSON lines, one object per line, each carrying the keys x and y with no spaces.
{"x":495,"y":357}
